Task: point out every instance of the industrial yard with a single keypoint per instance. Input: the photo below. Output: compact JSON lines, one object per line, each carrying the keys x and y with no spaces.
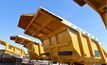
{"x":57,"y":40}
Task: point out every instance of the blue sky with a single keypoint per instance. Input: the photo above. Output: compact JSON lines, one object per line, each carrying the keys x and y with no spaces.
{"x":84,"y":17}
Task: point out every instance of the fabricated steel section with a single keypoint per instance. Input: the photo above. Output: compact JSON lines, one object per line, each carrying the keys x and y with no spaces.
{"x":99,"y":5}
{"x":63,"y":41}
{"x":33,"y":25}
{"x":13,"y":50}
{"x":34,"y":49}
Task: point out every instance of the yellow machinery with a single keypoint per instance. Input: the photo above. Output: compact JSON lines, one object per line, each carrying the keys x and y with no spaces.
{"x":11,"y":54}
{"x":99,"y":5}
{"x":13,"y":50}
{"x":63,"y":41}
{"x":35,"y":50}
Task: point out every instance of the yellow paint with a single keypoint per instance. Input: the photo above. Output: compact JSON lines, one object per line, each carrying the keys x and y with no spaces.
{"x":34,"y":49}
{"x":12,"y":49}
{"x":98,"y":5}
{"x":59,"y":35}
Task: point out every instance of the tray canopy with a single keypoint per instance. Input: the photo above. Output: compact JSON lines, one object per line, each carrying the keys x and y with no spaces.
{"x":44,"y":23}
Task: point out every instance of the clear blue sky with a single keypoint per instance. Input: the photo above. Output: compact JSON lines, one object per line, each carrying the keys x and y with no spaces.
{"x":84,"y":17}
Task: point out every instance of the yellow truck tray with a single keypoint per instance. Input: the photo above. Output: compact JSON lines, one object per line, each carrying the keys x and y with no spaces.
{"x":99,"y":6}
{"x":13,"y":50}
{"x":35,"y":50}
{"x":63,"y":41}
